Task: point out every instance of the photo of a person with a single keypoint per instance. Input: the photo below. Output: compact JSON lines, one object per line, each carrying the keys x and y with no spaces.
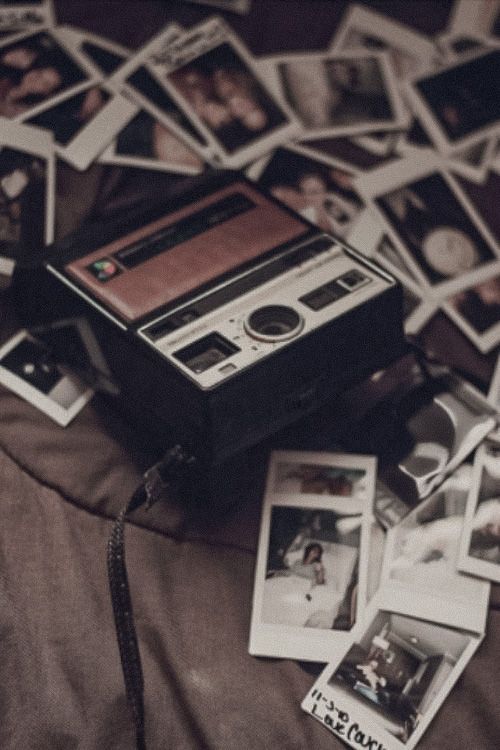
{"x":337,"y":91}
{"x":227,"y":97}
{"x":34,"y":69}
{"x":312,"y":569}
{"x":320,"y":192}
{"x":22,"y":200}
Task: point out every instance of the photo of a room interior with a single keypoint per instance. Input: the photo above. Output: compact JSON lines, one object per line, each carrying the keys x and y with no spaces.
{"x":397,"y":669}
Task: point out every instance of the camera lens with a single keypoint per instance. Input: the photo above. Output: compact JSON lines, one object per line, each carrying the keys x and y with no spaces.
{"x":274,"y":323}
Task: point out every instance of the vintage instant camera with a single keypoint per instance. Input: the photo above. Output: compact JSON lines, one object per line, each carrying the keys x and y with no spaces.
{"x":223,"y":315}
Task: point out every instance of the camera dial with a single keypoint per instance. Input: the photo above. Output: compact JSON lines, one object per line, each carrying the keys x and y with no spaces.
{"x":274,"y":323}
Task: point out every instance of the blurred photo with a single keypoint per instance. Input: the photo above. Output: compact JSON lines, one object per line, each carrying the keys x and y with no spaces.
{"x":23,"y":186}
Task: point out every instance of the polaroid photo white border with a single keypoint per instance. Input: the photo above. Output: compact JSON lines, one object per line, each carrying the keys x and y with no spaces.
{"x":111,"y":154}
{"x":88,"y":71}
{"x":402,"y":173}
{"x":415,"y":582}
{"x":38,"y":143}
{"x":231,"y":6}
{"x":448,"y":39}
{"x":398,"y":121}
{"x":346,"y":714}
{"x":485,"y":340}
{"x":462,"y":165}
{"x":22,"y":15}
{"x":119,"y":81}
{"x":207,"y":37}
{"x":486,"y":456}
{"x":298,"y":641}
{"x":77,"y":38}
{"x":423,"y":110}
{"x":392,"y":33}
{"x":39,"y":400}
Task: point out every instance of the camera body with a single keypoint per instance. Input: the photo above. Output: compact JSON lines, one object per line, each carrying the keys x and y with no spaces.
{"x":226,"y":316}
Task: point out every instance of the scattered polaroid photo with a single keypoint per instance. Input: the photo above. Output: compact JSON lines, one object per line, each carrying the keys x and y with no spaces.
{"x":349,"y":92}
{"x":474,"y":163}
{"x":432,"y":223}
{"x":476,"y":311}
{"x":103,"y":53}
{"x":311,"y":573}
{"x":84,"y":124}
{"x":459,"y":104}
{"x":318,"y":189}
{"x":73,"y":343}
{"x":479,"y":16}
{"x":233,"y":6}
{"x":420,"y":576}
{"x":143,"y":79}
{"x":410,"y":53}
{"x":480,"y":543}
{"x":17,"y":15}
{"x":217,"y":83}
{"x":37,"y":70}
{"x":27,"y":369}
{"x":386,"y":687}
{"x":147,"y":143}
{"x":27,"y":192}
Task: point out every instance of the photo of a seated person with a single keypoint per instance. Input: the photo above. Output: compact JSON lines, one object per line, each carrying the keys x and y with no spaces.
{"x":227,"y":97}
{"x":322,"y":193}
{"x":22,"y":199}
{"x":435,"y":229}
{"x":396,"y":669}
{"x":312,"y":569}
{"x":32,"y":70}
{"x":336,"y":91}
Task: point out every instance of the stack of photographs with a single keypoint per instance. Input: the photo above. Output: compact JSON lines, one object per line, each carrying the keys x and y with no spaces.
{"x":396,"y":615}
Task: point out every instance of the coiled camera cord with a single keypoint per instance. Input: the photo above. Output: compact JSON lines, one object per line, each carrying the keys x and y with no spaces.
{"x":176,"y":465}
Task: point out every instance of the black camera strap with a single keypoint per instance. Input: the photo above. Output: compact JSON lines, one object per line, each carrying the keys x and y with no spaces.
{"x":157,"y":479}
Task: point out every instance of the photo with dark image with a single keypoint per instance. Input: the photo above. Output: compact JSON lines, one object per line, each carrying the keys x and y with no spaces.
{"x":336,"y":91}
{"x":322,"y":193}
{"x":435,"y":229}
{"x":311,"y":577}
{"x":33,"y":70}
{"x":466,"y":97}
{"x":396,"y":670}
{"x":479,"y":305}
{"x":67,"y":118}
{"x":23,"y":191}
{"x":227,"y":97}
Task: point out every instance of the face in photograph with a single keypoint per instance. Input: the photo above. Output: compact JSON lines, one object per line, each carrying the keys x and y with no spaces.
{"x":66,"y":119}
{"x":321,"y":193}
{"x":312,"y":479}
{"x":311,"y":571}
{"x":22,"y":199}
{"x":466,"y":97}
{"x":485,"y":534}
{"x":32,"y":71}
{"x":393,"y":668}
{"x":146,"y":138}
{"x":227,"y":97}
{"x":337,"y":91}
{"x":479,"y":305}
{"x":435,"y":228}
